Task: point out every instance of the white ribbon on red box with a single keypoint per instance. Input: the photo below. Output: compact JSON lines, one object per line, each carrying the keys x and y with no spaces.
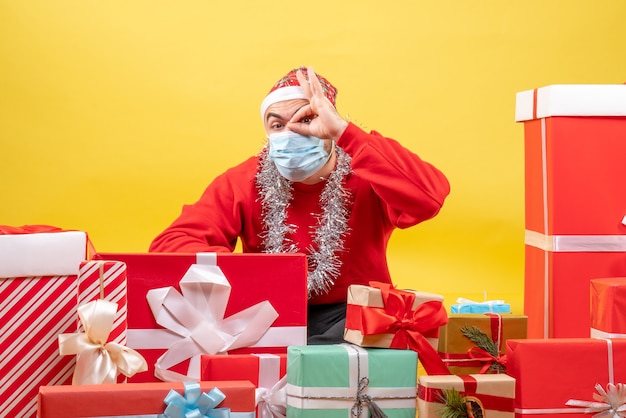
{"x":195,"y":321}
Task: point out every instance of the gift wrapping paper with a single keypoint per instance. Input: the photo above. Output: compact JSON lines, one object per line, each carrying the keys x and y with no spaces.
{"x":460,"y":353}
{"x":279,"y":279}
{"x":105,"y":280}
{"x":608,"y":304}
{"x":495,"y":392}
{"x":38,"y":253}
{"x":265,"y":371}
{"x":575,"y":204}
{"x":474,"y":307}
{"x":35,"y":308}
{"x":134,"y":399}
{"x":337,"y":380}
{"x":383,"y":317}
{"x":550,"y":372}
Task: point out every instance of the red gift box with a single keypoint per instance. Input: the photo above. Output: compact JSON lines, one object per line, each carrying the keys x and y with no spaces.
{"x":608,"y":304}
{"x":381,"y":316}
{"x":133,"y":399}
{"x":574,"y":201}
{"x":550,"y":372}
{"x":255,"y":278}
{"x":35,"y":308}
{"x":264,"y":370}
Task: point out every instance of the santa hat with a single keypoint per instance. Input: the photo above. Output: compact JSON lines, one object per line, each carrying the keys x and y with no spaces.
{"x":288,"y":88}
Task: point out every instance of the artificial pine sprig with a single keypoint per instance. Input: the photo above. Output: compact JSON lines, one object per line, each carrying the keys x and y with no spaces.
{"x":482,"y":340}
{"x":453,"y":404}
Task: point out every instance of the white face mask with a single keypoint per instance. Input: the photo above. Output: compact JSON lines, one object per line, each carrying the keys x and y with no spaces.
{"x":296,"y":156}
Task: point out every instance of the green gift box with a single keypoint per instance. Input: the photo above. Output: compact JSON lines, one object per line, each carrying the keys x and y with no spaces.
{"x":345,"y":380}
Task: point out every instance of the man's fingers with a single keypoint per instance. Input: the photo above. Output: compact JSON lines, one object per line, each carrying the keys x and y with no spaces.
{"x":304,"y":84}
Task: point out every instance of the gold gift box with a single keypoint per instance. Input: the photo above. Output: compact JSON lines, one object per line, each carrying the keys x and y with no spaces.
{"x":454,"y":345}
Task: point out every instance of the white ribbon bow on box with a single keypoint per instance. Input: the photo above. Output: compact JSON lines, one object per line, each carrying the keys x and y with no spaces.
{"x":98,"y":361}
{"x":197,"y":317}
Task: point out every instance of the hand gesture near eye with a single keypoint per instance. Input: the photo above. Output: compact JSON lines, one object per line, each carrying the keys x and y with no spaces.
{"x":319,"y":118}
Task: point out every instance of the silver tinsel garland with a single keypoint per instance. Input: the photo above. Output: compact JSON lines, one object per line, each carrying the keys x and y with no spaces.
{"x":275,"y":193}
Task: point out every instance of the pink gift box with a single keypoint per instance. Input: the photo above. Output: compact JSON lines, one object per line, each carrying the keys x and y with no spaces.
{"x":255,"y":278}
{"x":575,"y":204}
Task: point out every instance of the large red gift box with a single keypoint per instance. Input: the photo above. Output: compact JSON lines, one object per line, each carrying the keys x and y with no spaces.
{"x":550,"y":372}
{"x":265,"y":371}
{"x":574,"y":201}
{"x":38,"y":301}
{"x":280,"y":279}
{"x":608,"y":304}
{"x":135,"y":399}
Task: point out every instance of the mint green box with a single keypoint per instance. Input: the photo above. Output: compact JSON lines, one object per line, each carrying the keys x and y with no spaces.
{"x":323,"y":381}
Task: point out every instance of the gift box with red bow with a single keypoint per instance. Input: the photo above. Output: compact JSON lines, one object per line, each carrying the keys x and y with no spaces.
{"x":483,"y":395}
{"x":184,"y":305}
{"x":549,"y":373}
{"x":574,"y":201}
{"x":265,"y":371}
{"x":381,"y":316}
{"x":233,"y":399}
{"x":608,"y":304}
{"x":476,"y":343}
{"x":39,"y":267}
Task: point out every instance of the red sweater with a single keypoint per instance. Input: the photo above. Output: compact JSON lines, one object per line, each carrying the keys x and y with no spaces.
{"x":391,"y":188}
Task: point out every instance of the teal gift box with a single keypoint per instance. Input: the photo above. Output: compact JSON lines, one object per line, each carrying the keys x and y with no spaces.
{"x":345,"y":380}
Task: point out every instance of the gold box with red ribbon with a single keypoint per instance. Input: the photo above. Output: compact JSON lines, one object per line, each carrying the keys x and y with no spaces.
{"x":550,"y":373}
{"x":608,"y":304}
{"x":39,"y":267}
{"x":184,"y":305}
{"x":463,"y":355}
{"x":492,"y":394}
{"x":382,"y":316}
{"x":575,"y":204}
{"x":265,"y":371}
{"x":162,"y":399}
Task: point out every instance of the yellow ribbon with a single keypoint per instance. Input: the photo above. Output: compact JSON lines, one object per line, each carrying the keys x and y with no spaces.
{"x":98,"y":361}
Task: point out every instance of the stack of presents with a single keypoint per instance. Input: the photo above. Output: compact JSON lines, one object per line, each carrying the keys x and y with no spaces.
{"x":88,"y":334}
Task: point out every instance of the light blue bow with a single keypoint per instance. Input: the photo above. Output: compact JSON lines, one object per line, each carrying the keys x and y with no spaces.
{"x":195,"y":403}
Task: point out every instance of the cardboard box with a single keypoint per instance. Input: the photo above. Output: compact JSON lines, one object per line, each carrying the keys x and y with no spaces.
{"x":35,"y":307}
{"x":134,"y":399}
{"x":280,"y":279}
{"x":550,"y":372}
{"x":265,"y":371}
{"x":608,"y":304}
{"x":574,"y":200}
{"x":460,"y":353}
{"x":380,"y":316}
{"x":495,"y":393}
{"x":328,"y":380}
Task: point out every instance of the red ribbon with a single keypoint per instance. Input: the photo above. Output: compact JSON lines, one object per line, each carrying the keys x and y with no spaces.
{"x":483,"y":356}
{"x":490,"y":402}
{"x":27,"y":229}
{"x":410,"y":327}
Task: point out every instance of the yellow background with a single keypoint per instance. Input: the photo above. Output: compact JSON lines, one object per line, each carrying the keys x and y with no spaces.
{"x":113,"y":114}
